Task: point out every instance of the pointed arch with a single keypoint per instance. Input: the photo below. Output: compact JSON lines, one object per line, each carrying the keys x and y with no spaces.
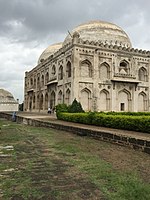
{"x":86,"y":69}
{"x":53,"y":70}
{"x":46,"y":101}
{"x":124,"y":100}
{"x":104,"y":100}
{"x":124,"y":63}
{"x":30,"y":103}
{"x":104,"y":71}
{"x":142,"y":102}
{"x":34,"y":102}
{"x":41,"y":101}
{"x":68,"y":69}
{"x":60,"y":73}
{"x":142,"y":74}
{"x":68,"y":96}
{"x":38,"y":101}
{"x":34,"y":82}
{"x":31,"y":82}
{"x":42,"y":80}
{"x":86,"y":99}
{"x":38,"y":80}
{"x":60,"y":97}
{"x":46,"y":77}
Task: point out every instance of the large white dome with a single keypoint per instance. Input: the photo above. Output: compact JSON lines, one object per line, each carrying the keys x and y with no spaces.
{"x":6,"y":96}
{"x":100,"y":31}
{"x":49,"y":51}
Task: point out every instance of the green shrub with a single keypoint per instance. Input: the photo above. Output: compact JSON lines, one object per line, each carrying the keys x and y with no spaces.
{"x":126,"y":122}
{"x":60,"y":108}
{"x":75,"y":107}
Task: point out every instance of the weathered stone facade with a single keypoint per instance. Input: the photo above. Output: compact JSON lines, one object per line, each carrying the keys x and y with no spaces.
{"x":95,"y":64}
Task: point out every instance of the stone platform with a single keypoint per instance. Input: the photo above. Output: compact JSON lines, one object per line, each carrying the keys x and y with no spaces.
{"x":135,"y":140}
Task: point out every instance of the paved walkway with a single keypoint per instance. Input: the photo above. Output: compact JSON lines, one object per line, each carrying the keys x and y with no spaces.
{"x":52,"y":118}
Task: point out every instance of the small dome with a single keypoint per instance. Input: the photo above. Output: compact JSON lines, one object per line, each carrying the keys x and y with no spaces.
{"x":101,"y":31}
{"x":6,"y":96}
{"x":49,"y":51}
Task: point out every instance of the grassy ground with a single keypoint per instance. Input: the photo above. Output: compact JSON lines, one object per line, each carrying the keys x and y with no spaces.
{"x":41,"y":163}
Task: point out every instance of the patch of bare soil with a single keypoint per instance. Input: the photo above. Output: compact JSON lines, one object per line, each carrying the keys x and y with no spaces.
{"x":123,"y":158}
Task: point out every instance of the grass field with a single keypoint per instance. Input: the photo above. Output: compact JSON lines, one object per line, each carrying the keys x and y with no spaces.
{"x":41,"y":163}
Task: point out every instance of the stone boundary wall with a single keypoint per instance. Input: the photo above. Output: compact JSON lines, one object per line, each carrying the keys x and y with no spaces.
{"x":138,"y":144}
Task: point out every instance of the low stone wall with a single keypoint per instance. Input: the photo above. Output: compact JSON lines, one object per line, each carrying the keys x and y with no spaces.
{"x":138,"y":144}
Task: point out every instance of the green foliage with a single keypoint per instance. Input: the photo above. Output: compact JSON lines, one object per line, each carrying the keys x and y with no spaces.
{"x":75,"y":107}
{"x":60,"y":108}
{"x":126,"y":122}
{"x":128,"y":113}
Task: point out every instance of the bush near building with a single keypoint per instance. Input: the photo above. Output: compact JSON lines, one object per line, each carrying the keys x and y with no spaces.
{"x":127,"y":121}
{"x":75,"y":107}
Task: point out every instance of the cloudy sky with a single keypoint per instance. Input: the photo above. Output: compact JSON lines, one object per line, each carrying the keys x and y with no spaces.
{"x":27,"y":27}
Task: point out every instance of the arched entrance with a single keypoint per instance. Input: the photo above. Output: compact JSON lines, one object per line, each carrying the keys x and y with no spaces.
{"x":52,"y":99}
{"x":103,"y":102}
{"x":142,"y":102}
{"x":46,"y":101}
{"x":86,"y":99}
{"x":124,"y":100}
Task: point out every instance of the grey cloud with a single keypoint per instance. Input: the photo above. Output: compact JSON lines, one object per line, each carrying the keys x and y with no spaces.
{"x":28,"y":27}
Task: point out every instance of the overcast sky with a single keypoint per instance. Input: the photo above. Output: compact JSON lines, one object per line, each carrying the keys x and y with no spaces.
{"x":27,"y":27}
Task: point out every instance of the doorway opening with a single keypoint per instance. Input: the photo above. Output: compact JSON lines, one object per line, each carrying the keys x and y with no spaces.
{"x":122,"y":106}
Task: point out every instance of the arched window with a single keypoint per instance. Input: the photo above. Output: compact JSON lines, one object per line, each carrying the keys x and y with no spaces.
{"x":30,"y":103}
{"x":60,"y":73}
{"x":34,"y":102}
{"x":38,"y":101}
{"x":31,"y":82}
{"x":142,"y":102}
{"x":68,"y":97}
{"x":86,"y":69}
{"x":104,"y":72}
{"x":124,"y":67}
{"x":86,"y":99}
{"x":42,"y":82}
{"x":104,"y":100}
{"x":41,"y":102}
{"x":38,"y":81}
{"x":46,"y":101}
{"x":34,"y":82}
{"x":46,"y":77}
{"x":142,"y":74}
{"x":53,"y":70}
{"x":124,"y":64}
{"x":60,"y":97}
{"x":68,"y":69}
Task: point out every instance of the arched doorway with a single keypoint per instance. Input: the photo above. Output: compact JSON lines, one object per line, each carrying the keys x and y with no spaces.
{"x":86,"y":99}
{"x":52,"y":99}
{"x":124,"y":100}
{"x":142,"y":102}
{"x":60,"y":97}
{"x":104,"y":71}
{"x":68,"y":97}
{"x":86,"y":69}
{"x":41,"y":102}
{"x":103,"y":101}
{"x":46,"y":101}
